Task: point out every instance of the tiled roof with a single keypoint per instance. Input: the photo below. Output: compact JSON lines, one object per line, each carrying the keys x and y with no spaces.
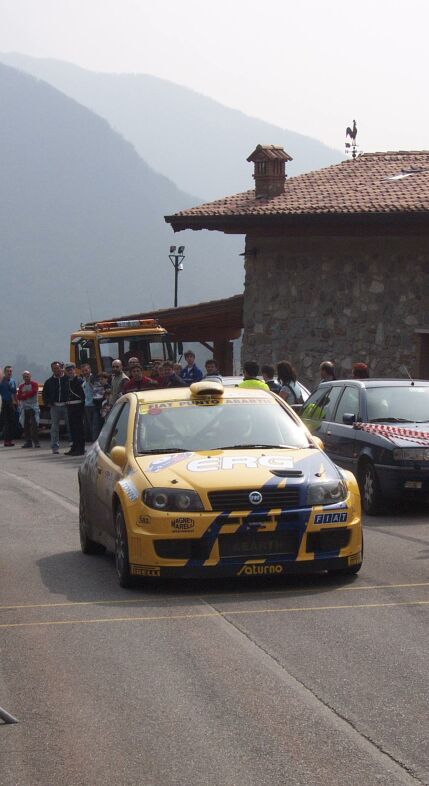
{"x":373,"y":183}
{"x":269,"y":152}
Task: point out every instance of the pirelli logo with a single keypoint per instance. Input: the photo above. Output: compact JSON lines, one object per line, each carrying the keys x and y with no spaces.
{"x":144,"y":570}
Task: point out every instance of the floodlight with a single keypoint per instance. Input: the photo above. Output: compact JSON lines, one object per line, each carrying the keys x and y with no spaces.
{"x":181,"y":249}
{"x":172,"y":249}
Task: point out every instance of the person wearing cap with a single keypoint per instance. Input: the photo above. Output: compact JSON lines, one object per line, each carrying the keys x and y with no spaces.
{"x":75,"y":411}
{"x":55,"y":395}
{"x":191,"y":373}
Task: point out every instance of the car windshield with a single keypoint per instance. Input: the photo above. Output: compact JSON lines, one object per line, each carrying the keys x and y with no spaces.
{"x":398,"y":404}
{"x":210,"y":423}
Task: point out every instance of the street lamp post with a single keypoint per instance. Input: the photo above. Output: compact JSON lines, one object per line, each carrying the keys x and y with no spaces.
{"x":176,"y":258}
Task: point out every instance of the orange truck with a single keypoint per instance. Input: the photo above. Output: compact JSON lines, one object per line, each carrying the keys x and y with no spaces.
{"x":100,"y":343}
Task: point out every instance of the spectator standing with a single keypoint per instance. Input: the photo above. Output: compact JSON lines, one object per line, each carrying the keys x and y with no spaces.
{"x":139,"y":382}
{"x":360,"y":371}
{"x":250,"y":376}
{"x":169,"y":377}
{"x":119,"y":378}
{"x":191,"y":373}
{"x":267,"y":372}
{"x":91,"y":414}
{"x":327,"y":371}
{"x":212,"y":370}
{"x":75,"y":411}
{"x":290,"y":390}
{"x":102,"y":399}
{"x":8,"y":397}
{"x":55,"y":395}
{"x":29,"y":410}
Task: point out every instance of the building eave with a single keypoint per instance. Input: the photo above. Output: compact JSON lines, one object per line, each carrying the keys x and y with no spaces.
{"x":392,"y":223}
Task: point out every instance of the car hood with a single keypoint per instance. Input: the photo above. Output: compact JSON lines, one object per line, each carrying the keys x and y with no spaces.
{"x":401,"y":435}
{"x":236,"y":469}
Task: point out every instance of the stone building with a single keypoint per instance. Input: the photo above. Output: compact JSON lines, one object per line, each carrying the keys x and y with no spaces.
{"x":336,"y":261}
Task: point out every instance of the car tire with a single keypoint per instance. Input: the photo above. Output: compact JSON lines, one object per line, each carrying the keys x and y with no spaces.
{"x":122,"y":564}
{"x":370,"y":491}
{"x":87,"y":545}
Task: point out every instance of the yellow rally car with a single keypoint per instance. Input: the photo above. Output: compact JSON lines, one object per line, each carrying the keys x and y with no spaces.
{"x":207,"y":481}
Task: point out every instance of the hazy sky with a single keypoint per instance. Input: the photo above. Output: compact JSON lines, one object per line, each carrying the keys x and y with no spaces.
{"x":307,"y":65}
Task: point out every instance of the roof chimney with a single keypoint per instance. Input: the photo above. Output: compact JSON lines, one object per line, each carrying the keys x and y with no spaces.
{"x":269,"y":173}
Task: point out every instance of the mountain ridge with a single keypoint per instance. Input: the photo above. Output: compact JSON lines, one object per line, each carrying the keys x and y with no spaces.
{"x":195,"y":140}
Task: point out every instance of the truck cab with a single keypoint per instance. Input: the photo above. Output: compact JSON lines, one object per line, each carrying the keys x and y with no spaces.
{"x":100,"y":343}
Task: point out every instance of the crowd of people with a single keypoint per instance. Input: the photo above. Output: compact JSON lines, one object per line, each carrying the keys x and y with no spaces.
{"x":83,"y":400}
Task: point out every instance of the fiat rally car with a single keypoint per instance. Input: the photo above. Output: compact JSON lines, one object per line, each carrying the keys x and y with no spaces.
{"x":214,"y":481}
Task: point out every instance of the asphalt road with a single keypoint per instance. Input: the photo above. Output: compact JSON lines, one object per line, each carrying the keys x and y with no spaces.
{"x":282,"y":682}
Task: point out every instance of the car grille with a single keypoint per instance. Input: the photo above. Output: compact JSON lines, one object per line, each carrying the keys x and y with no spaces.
{"x":239,"y":500}
{"x":328,"y":539}
{"x":189,"y":548}
{"x":261,"y":544}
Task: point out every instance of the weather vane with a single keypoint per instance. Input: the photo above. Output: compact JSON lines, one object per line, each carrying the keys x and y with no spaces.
{"x":352,"y":133}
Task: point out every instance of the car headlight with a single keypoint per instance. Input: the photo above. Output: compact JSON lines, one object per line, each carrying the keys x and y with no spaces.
{"x":326,"y":492}
{"x":411,"y":454}
{"x":172,"y":499}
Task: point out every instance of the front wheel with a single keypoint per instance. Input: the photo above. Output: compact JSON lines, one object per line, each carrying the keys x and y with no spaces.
{"x":370,"y":491}
{"x":122,"y":564}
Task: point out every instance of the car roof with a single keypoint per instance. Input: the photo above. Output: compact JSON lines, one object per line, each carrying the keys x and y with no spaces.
{"x":185,"y":393}
{"x":376,"y":382}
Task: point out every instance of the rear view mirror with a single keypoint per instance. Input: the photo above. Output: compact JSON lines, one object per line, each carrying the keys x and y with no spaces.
{"x":349,"y":419}
{"x":118,"y":455}
{"x":318,"y":442}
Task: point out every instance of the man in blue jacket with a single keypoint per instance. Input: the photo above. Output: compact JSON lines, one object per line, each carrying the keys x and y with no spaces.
{"x":191,"y":373}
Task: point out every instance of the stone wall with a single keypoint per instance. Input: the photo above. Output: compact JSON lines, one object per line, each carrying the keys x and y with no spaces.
{"x":334,"y":298}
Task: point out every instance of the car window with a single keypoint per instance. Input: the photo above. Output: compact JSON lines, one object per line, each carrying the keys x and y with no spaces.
{"x":105,"y":432}
{"x":118,"y":435}
{"x":209,"y":424}
{"x":320,"y":406}
{"x":397,"y":403}
{"x":349,"y":403}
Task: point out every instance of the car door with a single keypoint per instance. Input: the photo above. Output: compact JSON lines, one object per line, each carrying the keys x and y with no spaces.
{"x":108,"y":473}
{"x":342,"y":436}
{"x":317,"y":412}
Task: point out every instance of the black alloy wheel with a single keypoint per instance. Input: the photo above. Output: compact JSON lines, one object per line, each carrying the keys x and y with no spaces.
{"x":122,"y":564}
{"x":371,"y":496}
{"x":87,"y":545}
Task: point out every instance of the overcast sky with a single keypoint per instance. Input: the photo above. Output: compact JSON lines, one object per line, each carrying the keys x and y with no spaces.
{"x":307,"y":65}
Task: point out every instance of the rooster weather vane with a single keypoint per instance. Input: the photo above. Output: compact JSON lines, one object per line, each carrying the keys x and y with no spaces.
{"x":352,"y":133}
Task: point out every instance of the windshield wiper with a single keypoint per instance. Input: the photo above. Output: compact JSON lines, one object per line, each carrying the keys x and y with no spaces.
{"x":391,"y":420}
{"x":163,"y":450}
{"x":254,"y":445}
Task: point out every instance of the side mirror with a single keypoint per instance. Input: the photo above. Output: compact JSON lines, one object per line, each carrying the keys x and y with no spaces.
{"x":118,"y":454}
{"x":318,"y":442}
{"x":349,"y":419}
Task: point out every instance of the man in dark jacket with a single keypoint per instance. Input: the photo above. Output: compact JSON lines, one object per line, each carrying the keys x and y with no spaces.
{"x":55,"y":395}
{"x":75,"y":411}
